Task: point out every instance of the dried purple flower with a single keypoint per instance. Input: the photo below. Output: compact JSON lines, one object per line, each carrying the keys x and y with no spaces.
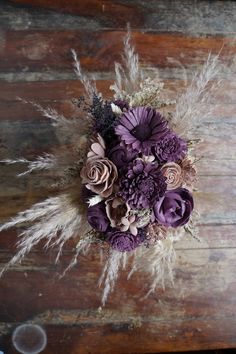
{"x":141,"y":128}
{"x":142,"y":185}
{"x":125,"y":241}
{"x":171,"y":148}
{"x":120,"y":156}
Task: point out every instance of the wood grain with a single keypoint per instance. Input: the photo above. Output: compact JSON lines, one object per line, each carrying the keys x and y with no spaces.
{"x":184,"y":16}
{"x":50,"y":50}
{"x":36,"y":64}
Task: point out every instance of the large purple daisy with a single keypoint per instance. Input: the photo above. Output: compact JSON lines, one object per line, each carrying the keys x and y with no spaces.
{"x":141,"y":128}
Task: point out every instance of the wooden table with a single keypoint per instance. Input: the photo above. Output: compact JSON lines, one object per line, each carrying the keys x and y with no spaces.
{"x":36,"y":64}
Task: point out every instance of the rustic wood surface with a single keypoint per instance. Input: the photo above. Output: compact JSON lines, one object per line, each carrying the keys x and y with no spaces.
{"x":35,"y":63}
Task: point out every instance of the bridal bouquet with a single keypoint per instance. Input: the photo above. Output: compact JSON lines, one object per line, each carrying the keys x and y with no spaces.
{"x":124,"y":171}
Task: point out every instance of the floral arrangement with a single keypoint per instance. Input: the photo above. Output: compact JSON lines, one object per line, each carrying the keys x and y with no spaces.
{"x":124,"y":171}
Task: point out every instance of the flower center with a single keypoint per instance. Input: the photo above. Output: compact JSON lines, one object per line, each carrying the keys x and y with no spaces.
{"x":141,"y":132}
{"x":147,"y":187}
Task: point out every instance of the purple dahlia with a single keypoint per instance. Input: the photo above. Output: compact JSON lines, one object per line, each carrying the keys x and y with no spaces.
{"x":142,"y":185}
{"x":171,"y":148}
{"x":141,"y":128}
{"x":125,"y":241}
{"x":174,"y":208}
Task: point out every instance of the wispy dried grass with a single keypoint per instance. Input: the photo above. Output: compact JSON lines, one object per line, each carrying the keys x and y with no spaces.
{"x":110,"y":273}
{"x":192,"y":106}
{"x":55,"y":221}
{"x":129,"y":75}
{"x":89,"y":86}
{"x":82,"y":247}
{"x":45,"y":162}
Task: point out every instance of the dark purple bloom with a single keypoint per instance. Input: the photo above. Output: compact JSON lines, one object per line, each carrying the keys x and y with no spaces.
{"x":142,"y":185}
{"x":174,"y":208}
{"x":125,"y":241}
{"x":120,"y":156}
{"x":141,"y":128}
{"x":171,"y":148}
{"x":121,"y":104}
{"x":97,"y":217}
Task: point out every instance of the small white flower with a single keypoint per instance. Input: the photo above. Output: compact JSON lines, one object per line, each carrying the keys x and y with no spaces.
{"x":116,"y":109}
{"x":94,"y":200}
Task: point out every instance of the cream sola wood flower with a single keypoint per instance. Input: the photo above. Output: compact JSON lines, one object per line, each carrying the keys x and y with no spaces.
{"x":124,"y":177}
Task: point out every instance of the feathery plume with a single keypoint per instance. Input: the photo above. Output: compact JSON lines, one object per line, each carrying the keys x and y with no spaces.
{"x":89,"y":86}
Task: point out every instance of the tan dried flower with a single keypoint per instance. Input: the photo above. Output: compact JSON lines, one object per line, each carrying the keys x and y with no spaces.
{"x":116,"y":209}
{"x":189,"y":171}
{"x":97,"y":148}
{"x":129,"y":223}
{"x":156,"y":232}
{"x":99,"y":175}
{"x":173,"y":173}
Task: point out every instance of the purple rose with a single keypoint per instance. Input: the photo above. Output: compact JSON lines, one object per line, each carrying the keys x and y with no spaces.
{"x":174,"y":208}
{"x":120,"y":156}
{"x":125,"y":241}
{"x":97,"y":217}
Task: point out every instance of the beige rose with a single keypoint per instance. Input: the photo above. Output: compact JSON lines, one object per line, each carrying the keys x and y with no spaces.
{"x":173,"y":173}
{"x":99,"y":175}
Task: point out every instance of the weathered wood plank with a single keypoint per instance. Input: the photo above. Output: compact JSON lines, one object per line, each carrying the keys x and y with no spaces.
{"x":50,"y":50}
{"x":56,"y":91}
{"x":123,"y":336}
{"x":211,"y":236}
{"x":203,"y":277}
{"x":178,"y":16}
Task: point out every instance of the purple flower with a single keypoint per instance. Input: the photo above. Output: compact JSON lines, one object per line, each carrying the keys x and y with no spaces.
{"x":97,"y":217}
{"x":142,"y":185}
{"x":171,"y":148}
{"x":141,"y":128}
{"x":120,"y":156}
{"x":174,"y":208}
{"x":125,"y":241}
